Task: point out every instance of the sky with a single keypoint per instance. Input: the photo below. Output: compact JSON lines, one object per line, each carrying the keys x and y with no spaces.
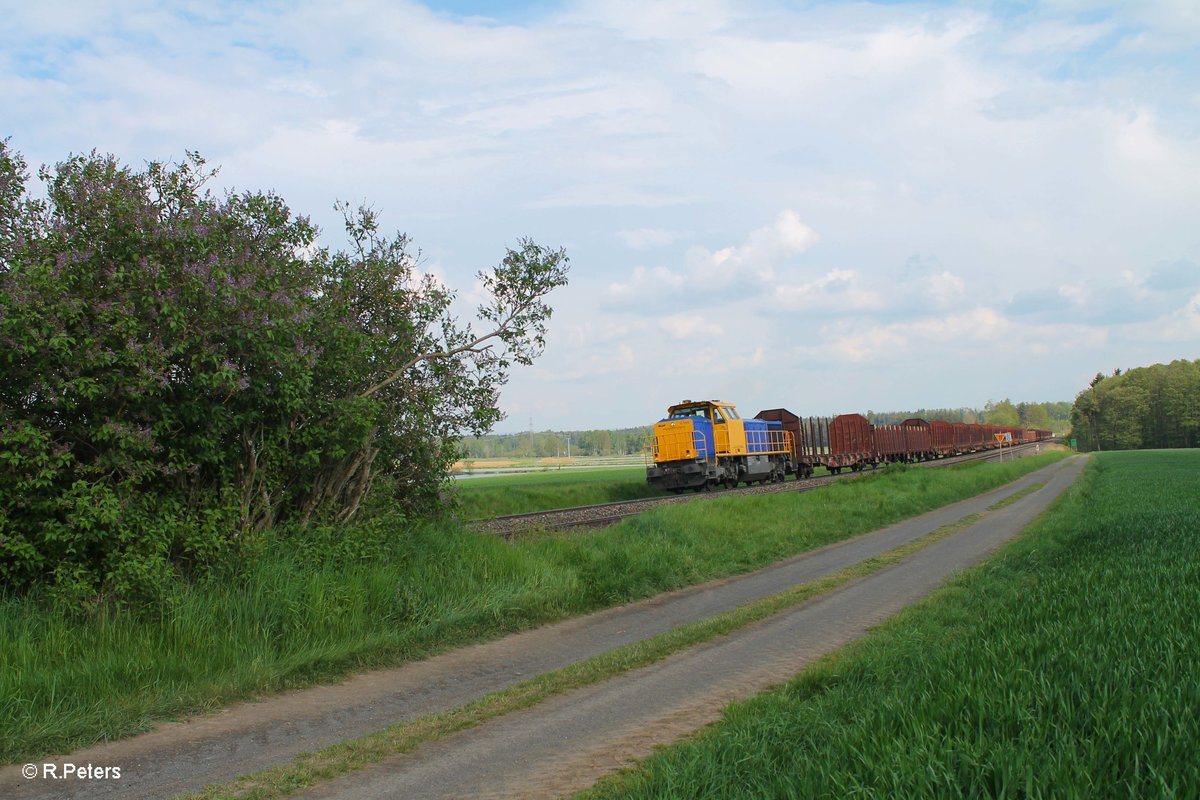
{"x":829,"y":207}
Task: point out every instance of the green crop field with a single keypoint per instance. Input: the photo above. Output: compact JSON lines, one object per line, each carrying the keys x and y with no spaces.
{"x":1066,"y":666}
{"x":389,"y":591}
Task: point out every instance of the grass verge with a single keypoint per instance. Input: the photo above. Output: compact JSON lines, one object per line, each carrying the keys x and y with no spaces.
{"x":1064,"y":666}
{"x":494,"y":496}
{"x":310,"y":768}
{"x":498,"y":495}
{"x":289,"y":619}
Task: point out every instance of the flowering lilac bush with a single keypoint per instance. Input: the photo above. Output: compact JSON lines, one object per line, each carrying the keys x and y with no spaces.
{"x":180,"y":371}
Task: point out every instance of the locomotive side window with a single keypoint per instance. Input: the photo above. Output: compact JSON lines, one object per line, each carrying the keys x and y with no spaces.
{"x":717,"y":418}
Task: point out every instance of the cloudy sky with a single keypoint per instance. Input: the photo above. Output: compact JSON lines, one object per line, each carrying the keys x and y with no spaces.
{"x":825,"y":206}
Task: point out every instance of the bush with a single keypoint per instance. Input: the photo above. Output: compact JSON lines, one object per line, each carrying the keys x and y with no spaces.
{"x":181,"y":372}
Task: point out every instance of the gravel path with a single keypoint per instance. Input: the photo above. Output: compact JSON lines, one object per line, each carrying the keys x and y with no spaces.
{"x":567,"y":742}
{"x":179,"y":757}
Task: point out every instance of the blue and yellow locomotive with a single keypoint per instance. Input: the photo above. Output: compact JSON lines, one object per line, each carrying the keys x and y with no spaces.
{"x":706,"y":444}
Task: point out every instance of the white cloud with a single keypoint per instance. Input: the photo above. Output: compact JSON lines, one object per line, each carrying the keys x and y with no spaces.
{"x":838,"y":291}
{"x":759,"y":256}
{"x":946,"y":288}
{"x":643,"y":238}
{"x":715,"y":272}
{"x":1182,"y":326}
{"x":690,"y":327}
{"x":970,"y":336}
{"x":644,"y":280}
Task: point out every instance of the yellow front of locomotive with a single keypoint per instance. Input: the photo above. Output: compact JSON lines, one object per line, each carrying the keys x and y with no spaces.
{"x":685,"y":446}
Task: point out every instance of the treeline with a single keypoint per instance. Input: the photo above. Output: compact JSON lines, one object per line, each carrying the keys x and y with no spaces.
{"x":630,"y":441}
{"x":1147,"y":407}
{"x":552,"y":444}
{"x":1055,"y":416}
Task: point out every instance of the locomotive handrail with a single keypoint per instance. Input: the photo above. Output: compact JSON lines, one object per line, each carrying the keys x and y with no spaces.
{"x":657,"y":442}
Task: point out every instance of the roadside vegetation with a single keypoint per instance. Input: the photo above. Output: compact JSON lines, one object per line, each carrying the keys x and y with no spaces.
{"x":386,"y":590}
{"x":1064,"y":666}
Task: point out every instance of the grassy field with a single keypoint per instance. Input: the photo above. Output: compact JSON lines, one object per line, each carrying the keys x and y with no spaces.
{"x":290,"y":619}
{"x":537,"y":491}
{"x":1066,"y":666}
{"x":521,"y":493}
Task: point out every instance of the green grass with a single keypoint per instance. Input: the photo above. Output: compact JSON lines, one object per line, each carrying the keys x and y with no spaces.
{"x":1066,"y":666}
{"x":522,"y":493}
{"x":538,"y":491}
{"x":287,"y":620}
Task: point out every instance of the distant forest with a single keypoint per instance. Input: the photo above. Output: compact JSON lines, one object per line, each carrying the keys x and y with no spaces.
{"x":1051,"y":416}
{"x":551,"y":444}
{"x":1146,"y":407}
{"x":629,"y":441}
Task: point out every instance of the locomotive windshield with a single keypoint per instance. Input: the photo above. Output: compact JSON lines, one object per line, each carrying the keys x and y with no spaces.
{"x":705,"y":411}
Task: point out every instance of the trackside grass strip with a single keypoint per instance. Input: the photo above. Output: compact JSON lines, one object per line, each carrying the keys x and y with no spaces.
{"x":539,"y":491}
{"x":309,"y":768}
{"x":1064,"y":666}
{"x":495,"y":496}
{"x":290,"y":617}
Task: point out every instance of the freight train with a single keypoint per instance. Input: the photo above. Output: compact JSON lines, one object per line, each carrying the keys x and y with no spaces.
{"x":706,"y":444}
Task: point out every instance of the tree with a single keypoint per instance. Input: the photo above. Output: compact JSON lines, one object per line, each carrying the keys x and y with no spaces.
{"x":1002,"y":413}
{"x":1036,"y":416}
{"x":179,"y":371}
{"x":1155,"y":406}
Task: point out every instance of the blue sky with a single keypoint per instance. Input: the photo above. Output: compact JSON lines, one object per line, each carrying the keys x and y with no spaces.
{"x":824,"y":206}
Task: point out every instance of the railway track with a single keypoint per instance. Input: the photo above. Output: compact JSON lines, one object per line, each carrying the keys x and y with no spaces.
{"x":601,"y":514}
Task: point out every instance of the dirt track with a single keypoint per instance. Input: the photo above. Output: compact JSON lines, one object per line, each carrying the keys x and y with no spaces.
{"x":569,"y":741}
{"x":184,"y":756}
